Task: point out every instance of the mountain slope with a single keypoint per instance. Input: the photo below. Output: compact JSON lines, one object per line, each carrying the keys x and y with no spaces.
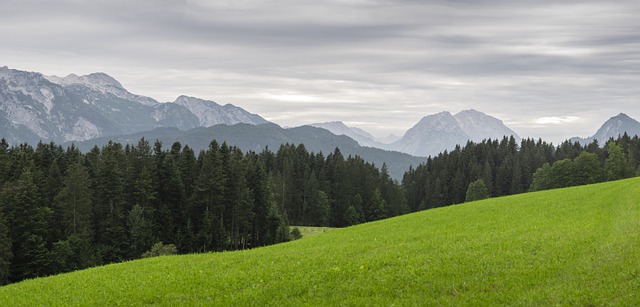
{"x":210,"y":113}
{"x":34,"y":107}
{"x":575,"y":246}
{"x":256,"y":137}
{"x":339,"y":128}
{"x":431,"y":135}
{"x":613,"y":128}
{"x":480,"y":126}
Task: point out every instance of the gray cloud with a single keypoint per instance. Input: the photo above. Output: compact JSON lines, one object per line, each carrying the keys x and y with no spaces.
{"x":380,"y":64}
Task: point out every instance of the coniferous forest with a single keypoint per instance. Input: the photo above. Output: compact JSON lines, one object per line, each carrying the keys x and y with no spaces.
{"x":63,"y":210}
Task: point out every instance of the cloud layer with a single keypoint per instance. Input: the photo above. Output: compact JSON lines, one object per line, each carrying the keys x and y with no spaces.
{"x":549,"y":69}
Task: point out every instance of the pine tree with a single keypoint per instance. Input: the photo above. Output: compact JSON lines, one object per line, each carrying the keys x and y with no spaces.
{"x":141,"y":233}
{"x":378,"y":206}
{"x":208,"y":200}
{"x":109,"y":210}
{"x":28,"y":230}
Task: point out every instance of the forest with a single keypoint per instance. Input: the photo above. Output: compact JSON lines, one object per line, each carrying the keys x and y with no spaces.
{"x":63,"y":210}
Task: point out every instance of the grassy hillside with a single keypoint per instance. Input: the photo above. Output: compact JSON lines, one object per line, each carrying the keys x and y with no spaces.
{"x":575,"y":246}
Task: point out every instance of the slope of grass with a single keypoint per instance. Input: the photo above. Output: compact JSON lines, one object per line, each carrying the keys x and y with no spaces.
{"x":575,"y":246}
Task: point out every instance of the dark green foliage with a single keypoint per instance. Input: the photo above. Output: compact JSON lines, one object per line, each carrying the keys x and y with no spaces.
{"x":477,"y":190}
{"x":587,"y":169}
{"x":295,"y":233}
{"x":141,"y":234}
{"x":542,"y":178}
{"x":378,"y":209}
{"x":74,"y":202}
{"x":617,"y":166}
{"x":29,"y":226}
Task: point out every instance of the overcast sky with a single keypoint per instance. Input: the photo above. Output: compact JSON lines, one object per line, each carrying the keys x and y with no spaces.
{"x":550,"y":69}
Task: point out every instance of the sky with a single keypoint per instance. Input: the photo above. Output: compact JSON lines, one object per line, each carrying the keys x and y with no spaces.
{"x":548,"y":69}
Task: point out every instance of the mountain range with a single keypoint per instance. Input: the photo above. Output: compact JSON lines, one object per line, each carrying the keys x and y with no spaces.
{"x":35,"y":107}
{"x":90,"y":110}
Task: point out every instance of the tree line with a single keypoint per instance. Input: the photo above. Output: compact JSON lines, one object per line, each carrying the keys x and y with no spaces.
{"x":62,"y":210}
{"x":496,"y":168}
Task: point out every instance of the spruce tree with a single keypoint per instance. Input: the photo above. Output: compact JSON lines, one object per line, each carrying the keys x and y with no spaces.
{"x":29,"y":228}
{"x":74,"y":202}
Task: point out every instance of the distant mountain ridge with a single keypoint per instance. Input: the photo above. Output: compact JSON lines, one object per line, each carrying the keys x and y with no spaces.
{"x":93,"y":108}
{"x":612,"y":128}
{"x":433,"y":133}
{"x":35,"y":107}
{"x":436,"y":133}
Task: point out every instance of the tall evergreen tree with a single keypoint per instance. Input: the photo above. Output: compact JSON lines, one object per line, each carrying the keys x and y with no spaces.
{"x":110,"y":205}
{"x":74,"y":202}
{"x":29,"y":228}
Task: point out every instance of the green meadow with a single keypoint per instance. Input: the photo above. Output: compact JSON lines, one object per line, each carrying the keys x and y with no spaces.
{"x":310,"y":231}
{"x":574,"y":246}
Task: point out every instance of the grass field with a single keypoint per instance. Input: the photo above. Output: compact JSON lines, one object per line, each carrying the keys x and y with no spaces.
{"x":575,"y":246}
{"x":310,"y":231}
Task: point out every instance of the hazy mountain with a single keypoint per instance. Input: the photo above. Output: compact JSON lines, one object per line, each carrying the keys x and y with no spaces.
{"x":388,"y":139}
{"x":339,"y":128}
{"x":442,"y":131}
{"x":431,"y":135}
{"x":612,"y":128}
{"x":257,"y":137}
{"x":34,"y":107}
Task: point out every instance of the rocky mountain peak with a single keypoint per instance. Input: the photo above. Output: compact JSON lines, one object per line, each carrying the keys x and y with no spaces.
{"x":96,"y":81}
{"x":480,"y":126}
{"x":612,"y":128}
